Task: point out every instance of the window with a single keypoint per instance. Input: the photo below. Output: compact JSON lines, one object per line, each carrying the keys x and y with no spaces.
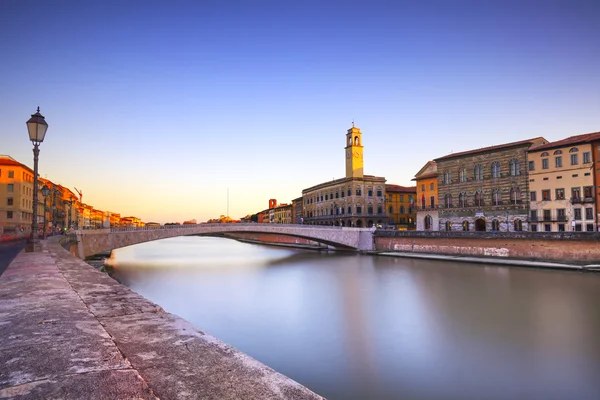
{"x":379,"y":193}
{"x":358,"y":191}
{"x":349,"y":209}
{"x":574,"y":159}
{"x":370,"y":192}
{"x":422,"y":187}
{"x":547,"y":228}
{"x":10,"y":188}
{"x":359,"y":209}
{"x":370,"y":210}
{"x":478,"y":173}
{"x":589,"y":227}
{"x":496,"y":197}
{"x":342,"y":193}
{"x":546,"y":195}
{"x":465,"y":225}
{"x":560,"y":194}
{"x":577,"y":227}
{"x":587,"y":157}
{"x":9,"y":215}
{"x":462,"y":175}
{"x":379,"y":210}
{"x":518,"y":225}
{"x":545,"y":164}
{"x":349,"y":192}
{"x":534,"y":228}
{"x":589,"y":213}
{"x":577,"y":212}
{"x":531,"y":166}
{"x":515,"y":195}
{"x":557,"y":152}
{"x":575,"y":193}
{"x":533,"y":215}
{"x":573,"y":150}
{"x":478,"y":198}
{"x":496,"y":169}
{"x":447,"y":177}
{"x":495,"y":225}
{"x":588,"y":192}
{"x":547,"y":215}
{"x":390,"y":210}
{"x":561,"y":214}
{"x":11,"y":174}
{"x":514,"y":167}
{"x":461,"y":200}
{"x":337,"y":195}
{"x":533,"y":196}
{"x":561,"y":227}
{"x":9,"y":201}
{"x":448,"y":225}
{"x":401,"y":209}
{"x":558,"y":162}
{"x":432,"y":201}
{"x":448,"y":201}
{"x":326,"y":197}
{"x":431,"y":186}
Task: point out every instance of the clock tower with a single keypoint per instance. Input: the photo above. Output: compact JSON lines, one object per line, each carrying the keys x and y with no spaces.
{"x":354,"y":153}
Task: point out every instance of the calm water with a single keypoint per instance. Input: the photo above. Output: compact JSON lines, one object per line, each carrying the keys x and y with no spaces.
{"x":363,"y":327}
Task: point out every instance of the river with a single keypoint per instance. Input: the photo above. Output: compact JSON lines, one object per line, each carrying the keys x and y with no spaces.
{"x":351,"y":326}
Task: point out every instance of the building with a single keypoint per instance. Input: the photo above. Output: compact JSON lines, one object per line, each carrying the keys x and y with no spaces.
{"x":485,"y":189}
{"x":400,"y":203}
{"x":357,"y":200}
{"x":596,"y":172}
{"x":282,"y":214}
{"x":562,"y":186}
{"x":297,"y":211}
{"x":16,"y":197}
{"x":427,"y":198}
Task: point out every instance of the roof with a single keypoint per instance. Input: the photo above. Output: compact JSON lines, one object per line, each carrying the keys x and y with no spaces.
{"x":8,"y":160}
{"x":571,"y":140}
{"x":400,"y":189}
{"x":490,"y":148}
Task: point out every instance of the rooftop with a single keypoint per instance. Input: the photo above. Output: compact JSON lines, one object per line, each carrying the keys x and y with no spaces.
{"x":496,"y":147}
{"x":571,"y":140}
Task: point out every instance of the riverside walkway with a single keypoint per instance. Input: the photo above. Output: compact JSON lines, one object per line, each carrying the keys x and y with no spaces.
{"x":69,"y":331}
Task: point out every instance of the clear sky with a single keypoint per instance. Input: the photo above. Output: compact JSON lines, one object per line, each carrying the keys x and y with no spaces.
{"x":155,"y":109}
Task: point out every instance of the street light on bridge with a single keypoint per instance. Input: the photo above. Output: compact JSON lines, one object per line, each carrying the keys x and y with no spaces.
{"x":37,"y":127}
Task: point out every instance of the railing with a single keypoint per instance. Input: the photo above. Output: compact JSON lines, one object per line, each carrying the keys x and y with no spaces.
{"x":581,"y":200}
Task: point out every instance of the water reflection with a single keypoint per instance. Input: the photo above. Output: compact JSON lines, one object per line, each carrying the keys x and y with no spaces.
{"x":362,"y":327}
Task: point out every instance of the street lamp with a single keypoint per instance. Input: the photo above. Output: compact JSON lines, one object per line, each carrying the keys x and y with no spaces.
{"x":45,"y":193}
{"x":37,"y":127}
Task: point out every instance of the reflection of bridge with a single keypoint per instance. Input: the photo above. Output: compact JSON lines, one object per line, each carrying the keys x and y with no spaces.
{"x":91,"y":242}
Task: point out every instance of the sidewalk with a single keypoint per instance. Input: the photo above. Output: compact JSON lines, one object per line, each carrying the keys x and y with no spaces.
{"x":69,"y":331}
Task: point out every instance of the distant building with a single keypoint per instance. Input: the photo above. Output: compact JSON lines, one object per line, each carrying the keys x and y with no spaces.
{"x":357,"y":200}
{"x":400,"y":204}
{"x":562,"y":185}
{"x":427,"y":197}
{"x":16,"y":197}
{"x":282,"y":214}
{"x":485,"y":189}
{"x":297,"y":211}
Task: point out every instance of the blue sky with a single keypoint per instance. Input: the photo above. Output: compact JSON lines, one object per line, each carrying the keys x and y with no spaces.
{"x":157,"y":108}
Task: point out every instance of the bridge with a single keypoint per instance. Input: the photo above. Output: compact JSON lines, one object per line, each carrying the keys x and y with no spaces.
{"x":90,"y":242}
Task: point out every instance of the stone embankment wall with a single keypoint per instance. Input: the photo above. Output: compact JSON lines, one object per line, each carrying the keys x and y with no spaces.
{"x":267,"y":238}
{"x":572,"y":247}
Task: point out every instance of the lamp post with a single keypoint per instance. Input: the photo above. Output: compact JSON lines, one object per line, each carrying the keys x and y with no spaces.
{"x":45,"y":193}
{"x":37,"y":127}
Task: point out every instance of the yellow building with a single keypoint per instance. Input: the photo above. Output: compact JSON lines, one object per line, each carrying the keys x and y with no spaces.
{"x":400,"y":204}
{"x":357,"y":200}
{"x":16,"y":197}
{"x":561,"y":185}
{"x":427,"y":197}
{"x":282,"y":214}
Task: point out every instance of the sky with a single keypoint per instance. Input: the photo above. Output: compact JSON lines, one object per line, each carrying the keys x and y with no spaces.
{"x":174,"y":110}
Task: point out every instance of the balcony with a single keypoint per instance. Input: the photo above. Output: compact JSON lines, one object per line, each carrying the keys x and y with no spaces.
{"x":427,"y":208}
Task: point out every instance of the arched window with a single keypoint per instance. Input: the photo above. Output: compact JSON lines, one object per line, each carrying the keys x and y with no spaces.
{"x":356,"y":142}
{"x":496,"y":169}
{"x":349,"y":140}
{"x":448,"y":225}
{"x":496,"y":197}
{"x":478,"y":173}
{"x":447,"y":179}
{"x":391,"y":210}
{"x":544,"y":154}
{"x":514,"y":167}
{"x":515,"y":195}
{"x":461,"y":200}
{"x":495,"y":225}
{"x":557,"y":152}
{"x":573,"y":150}
{"x":478,"y":198}
{"x":448,"y":200}
{"x":518,"y":225}
{"x":465,"y":225}
{"x":428,"y":222}
{"x":462,"y":175}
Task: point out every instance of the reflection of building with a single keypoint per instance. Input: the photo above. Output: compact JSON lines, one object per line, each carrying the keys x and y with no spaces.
{"x":485,"y":189}
{"x":400,"y":203}
{"x":427,"y":197}
{"x":16,"y":197}
{"x":561,"y":176}
{"x":356,"y":200}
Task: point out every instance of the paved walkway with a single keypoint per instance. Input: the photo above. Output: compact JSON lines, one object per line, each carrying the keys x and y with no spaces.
{"x":69,"y":331}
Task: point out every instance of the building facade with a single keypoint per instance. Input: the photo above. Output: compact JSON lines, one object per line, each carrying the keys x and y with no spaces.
{"x":297,"y":211}
{"x":357,"y":200}
{"x":400,"y":205}
{"x":427,"y":198}
{"x":596,"y":172}
{"x":282,"y":214}
{"x":16,"y":197}
{"x":562,"y":186}
{"x":485,"y":189}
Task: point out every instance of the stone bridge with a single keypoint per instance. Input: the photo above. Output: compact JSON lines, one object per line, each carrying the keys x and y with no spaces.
{"x":91,"y":242}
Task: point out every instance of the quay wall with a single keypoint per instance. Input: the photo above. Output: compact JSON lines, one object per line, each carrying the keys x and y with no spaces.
{"x":267,"y":238}
{"x":571,"y":247}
